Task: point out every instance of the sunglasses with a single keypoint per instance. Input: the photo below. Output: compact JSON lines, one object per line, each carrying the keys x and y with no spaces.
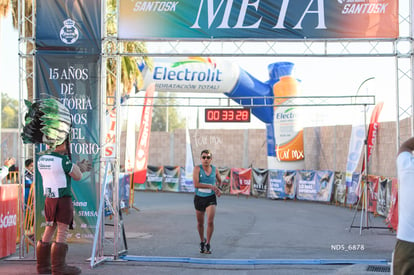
{"x":206,"y":157}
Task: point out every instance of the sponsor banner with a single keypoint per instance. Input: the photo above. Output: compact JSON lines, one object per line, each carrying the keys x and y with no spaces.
{"x":225,"y":179}
{"x":265,"y":19}
{"x":372,"y":193}
{"x":171,"y":179}
{"x":288,"y":132}
{"x":208,"y":75}
{"x":9,"y":220}
{"x":75,"y":81}
{"x":123,"y":190}
{"x":384,"y":196}
{"x":154,"y":178}
{"x":315,"y":185}
{"x":282,"y":184}
{"x":185,"y":185}
{"x":110,"y":134}
{"x":240,"y":181}
{"x":351,"y":196}
{"x":260,"y":182}
{"x":68,"y":25}
{"x":142,"y":148}
{"x":392,"y":217}
{"x":339,"y":188}
{"x":193,"y":74}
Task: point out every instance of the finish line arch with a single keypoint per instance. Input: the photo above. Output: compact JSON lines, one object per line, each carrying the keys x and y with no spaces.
{"x":113,"y":50}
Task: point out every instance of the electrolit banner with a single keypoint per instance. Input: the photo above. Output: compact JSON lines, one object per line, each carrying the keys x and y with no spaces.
{"x":207,"y":75}
{"x":288,"y":132}
{"x":263,"y":19}
{"x":193,"y":74}
{"x":68,"y":25}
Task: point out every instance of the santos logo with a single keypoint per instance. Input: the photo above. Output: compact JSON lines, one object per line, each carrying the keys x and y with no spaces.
{"x":69,"y":34}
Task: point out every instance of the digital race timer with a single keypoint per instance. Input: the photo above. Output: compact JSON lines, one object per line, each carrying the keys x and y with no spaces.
{"x":227,"y":115}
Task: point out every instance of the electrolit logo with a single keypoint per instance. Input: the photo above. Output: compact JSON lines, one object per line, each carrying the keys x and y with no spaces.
{"x":286,"y":115}
{"x":193,"y":74}
{"x":188,"y":71}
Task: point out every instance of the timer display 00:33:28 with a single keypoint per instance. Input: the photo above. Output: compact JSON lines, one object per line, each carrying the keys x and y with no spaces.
{"x":227,"y":115}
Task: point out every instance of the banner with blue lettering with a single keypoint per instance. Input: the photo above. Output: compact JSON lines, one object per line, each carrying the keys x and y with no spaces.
{"x":74,"y":80}
{"x":68,"y":25}
{"x":265,"y":19}
{"x":276,"y":185}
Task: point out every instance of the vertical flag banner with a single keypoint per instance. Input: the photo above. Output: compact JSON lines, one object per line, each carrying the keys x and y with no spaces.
{"x":75,"y":82}
{"x":189,"y":164}
{"x":67,"y":63}
{"x":356,"y":144}
{"x":372,"y":133}
{"x":265,"y":19}
{"x":142,"y":149}
{"x":110,"y":134}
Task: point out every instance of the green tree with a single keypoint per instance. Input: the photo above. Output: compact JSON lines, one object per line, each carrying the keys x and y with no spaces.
{"x":130,"y":74}
{"x":159,"y":115}
{"x":9,"y":112}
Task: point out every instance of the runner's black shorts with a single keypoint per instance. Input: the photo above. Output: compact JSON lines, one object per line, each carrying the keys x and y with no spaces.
{"x":201,"y":203}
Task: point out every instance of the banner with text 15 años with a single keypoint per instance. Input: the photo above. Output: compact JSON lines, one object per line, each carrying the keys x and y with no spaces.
{"x":75,"y":81}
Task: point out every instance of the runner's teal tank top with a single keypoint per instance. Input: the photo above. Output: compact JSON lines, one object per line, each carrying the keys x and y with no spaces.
{"x":203,"y":178}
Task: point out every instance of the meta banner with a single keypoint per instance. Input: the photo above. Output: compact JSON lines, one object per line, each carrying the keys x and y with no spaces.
{"x":68,"y":25}
{"x":74,"y":80}
{"x":261,"y":19}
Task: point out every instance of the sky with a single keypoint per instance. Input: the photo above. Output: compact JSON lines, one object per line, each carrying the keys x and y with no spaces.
{"x":319,"y":76}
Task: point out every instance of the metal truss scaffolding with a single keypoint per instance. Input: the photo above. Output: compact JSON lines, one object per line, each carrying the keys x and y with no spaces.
{"x":112,"y":51}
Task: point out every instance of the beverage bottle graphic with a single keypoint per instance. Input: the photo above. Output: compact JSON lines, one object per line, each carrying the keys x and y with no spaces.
{"x":288,"y":132}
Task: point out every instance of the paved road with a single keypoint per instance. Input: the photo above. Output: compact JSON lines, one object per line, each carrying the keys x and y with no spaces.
{"x":252,"y":236}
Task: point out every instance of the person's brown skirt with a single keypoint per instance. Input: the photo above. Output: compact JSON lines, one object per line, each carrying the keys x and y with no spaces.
{"x":59,"y":210}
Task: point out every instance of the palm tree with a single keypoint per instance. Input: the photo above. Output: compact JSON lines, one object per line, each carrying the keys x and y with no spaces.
{"x":130,"y":73}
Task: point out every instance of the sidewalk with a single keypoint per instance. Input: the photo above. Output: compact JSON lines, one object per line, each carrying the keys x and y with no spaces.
{"x":252,"y":236}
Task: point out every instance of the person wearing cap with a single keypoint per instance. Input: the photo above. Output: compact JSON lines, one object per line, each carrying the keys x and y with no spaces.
{"x":4,"y":170}
{"x":206,"y":178}
{"x":404,"y":248}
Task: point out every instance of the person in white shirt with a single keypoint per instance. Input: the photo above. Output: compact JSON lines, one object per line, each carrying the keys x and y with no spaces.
{"x":4,"y":170}
{"x":403,"y":260}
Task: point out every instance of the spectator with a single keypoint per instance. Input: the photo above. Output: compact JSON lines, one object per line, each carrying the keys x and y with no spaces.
{"x":4,"y":170}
